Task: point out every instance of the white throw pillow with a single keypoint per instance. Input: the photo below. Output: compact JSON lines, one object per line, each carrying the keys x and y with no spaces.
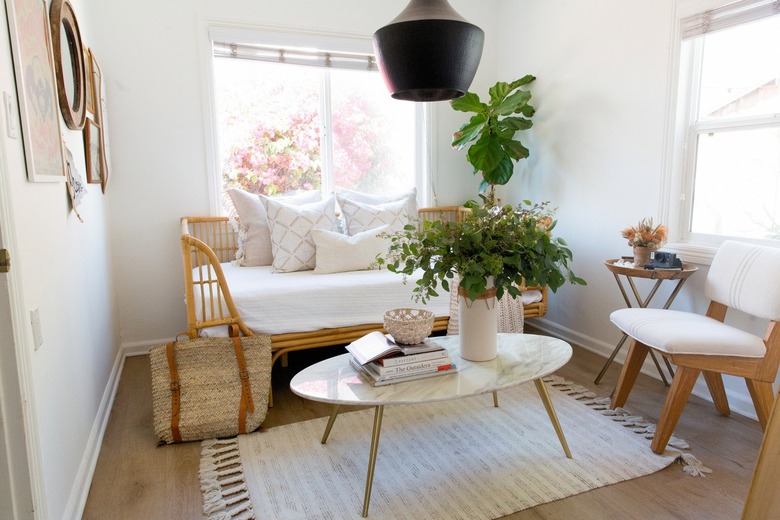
{"x":361,"y":217}
{"x":291,"y":226}
{"x":410,"y":197}
{"x":338,"y":253}
{"x":254,"y":236}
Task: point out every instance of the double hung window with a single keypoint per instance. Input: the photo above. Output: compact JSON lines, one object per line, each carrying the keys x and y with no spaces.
{"x":728,"y":133}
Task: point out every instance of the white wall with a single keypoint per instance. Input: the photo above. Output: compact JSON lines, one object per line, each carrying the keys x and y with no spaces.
{"x":598,"y":146}
{"x":66,"y":272}
{"x":152,"y":56}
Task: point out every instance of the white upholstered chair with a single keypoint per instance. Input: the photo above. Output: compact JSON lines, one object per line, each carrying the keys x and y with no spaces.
{"x":742,"y":276}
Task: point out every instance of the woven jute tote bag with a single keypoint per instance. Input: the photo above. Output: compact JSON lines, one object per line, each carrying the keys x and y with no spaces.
{"x":210,"y":387}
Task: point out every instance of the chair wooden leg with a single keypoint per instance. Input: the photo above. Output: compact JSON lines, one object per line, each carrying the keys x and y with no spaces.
{"x":683,"y":382}
{"x":717,"y":391}
{"x":637,"y":353}
{"x":763,"y":399}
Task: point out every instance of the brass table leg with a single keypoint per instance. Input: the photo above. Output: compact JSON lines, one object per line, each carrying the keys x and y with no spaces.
{"x":372,"y":456}
{"x":611,"y":358}
{"x":658,"y":367}
{"x":331,"y":420}
{"x":551,"y":413}
{"x":495,"y":399}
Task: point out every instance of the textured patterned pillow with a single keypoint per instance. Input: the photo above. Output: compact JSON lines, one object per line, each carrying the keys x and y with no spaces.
{"x":291,"y":226}
{"x":254,"y":236}
{"x":410,"y":197}
{"x":338,"y":253}
{"x":361,"y":217}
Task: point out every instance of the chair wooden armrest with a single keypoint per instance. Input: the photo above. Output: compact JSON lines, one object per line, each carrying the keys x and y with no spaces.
{"x":206,"y":242}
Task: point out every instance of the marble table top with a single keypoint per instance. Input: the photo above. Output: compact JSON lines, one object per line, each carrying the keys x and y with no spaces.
{"x":521,"y":358}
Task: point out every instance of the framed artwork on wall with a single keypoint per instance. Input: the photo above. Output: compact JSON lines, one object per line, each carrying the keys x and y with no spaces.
{"x":35,"y":90}
{"x":101,"y":116}
{"x":93,"y":153}
{"x":89,"y":90}
{"x":96,"y":82}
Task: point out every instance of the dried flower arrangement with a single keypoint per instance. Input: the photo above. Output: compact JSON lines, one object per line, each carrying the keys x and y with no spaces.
{"x":645,"y":234}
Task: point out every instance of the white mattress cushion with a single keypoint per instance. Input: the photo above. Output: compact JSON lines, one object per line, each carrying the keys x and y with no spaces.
{"x":277,"y":303}
{"x":677,"y":332}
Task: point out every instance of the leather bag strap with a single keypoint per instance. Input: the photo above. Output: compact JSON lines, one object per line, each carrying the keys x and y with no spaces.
{"x":247,"y":404}
{"x":175,"y":392}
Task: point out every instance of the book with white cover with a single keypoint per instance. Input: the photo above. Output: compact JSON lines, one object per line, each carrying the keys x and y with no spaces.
{"x":407,"y":368}
{"x":375,"y":380}
{"x":400,"y":359}
{"x":376,"y":345}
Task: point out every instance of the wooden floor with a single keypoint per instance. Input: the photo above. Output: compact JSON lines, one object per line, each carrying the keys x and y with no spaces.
{"x":135,"y":479}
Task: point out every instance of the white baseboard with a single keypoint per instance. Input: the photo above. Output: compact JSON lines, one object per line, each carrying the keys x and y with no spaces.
{"x":739,"y":402}
{"x":80,"y":490}
{"x":141,"y":348}
{"x":81,"y":484}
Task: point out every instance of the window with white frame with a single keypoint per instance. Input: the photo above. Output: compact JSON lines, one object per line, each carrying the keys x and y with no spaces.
{"x":729,"y":124}
{"x":311,"y":112}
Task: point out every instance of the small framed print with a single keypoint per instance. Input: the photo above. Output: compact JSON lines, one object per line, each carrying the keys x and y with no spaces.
{"x":89,"y":89}
{"x":93,"y":152}
{"x":97,"y":87}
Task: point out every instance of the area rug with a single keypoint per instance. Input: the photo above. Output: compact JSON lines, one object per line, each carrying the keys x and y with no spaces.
{"x":462,"y":459}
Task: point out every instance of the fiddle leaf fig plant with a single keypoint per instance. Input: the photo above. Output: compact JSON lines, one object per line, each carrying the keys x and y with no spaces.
{"x":492,"y":130}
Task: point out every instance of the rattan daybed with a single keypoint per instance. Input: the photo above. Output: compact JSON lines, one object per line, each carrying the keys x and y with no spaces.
{"x":209,"y":245}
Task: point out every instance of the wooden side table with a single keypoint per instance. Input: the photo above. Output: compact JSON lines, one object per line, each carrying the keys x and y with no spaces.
{"x":659,"y":275}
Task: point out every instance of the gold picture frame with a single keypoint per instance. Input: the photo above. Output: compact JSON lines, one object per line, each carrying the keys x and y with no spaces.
{"x":98,"y":92}
{"x":89,"y":91}
{"x":93,"y":152}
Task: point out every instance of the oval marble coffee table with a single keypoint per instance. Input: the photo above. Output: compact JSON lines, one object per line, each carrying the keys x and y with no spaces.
{"x":521,"y":358}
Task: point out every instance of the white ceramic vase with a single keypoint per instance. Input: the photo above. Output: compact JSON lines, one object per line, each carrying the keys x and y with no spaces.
{"x":478,"y":323}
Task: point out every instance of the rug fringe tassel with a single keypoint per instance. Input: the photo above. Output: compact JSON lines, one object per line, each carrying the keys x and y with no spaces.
{"x":691,"y":465}
{"x":222,"y":481}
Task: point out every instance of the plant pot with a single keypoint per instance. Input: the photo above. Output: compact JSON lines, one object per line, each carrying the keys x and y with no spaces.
{"x":641,"y":256}
{"x":478,"y":322}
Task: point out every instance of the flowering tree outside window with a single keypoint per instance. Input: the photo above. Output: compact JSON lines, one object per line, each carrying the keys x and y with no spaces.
{"x":277,"y":160}
{"x":273,"y":135}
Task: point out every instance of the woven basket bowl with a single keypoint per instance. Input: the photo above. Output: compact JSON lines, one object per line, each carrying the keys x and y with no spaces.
{"x":409,"y":326}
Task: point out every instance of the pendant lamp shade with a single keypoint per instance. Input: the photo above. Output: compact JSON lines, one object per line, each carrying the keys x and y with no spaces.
{"x":428,"y":52}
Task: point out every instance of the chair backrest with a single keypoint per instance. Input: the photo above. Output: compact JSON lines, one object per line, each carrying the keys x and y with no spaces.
{"x":746,"y":277}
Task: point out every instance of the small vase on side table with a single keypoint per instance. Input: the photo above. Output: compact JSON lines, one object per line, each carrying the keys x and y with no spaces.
{"x":641,"y":256}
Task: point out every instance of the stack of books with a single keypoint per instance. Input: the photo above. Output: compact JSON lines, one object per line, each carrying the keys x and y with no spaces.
{"x":382,"y":361}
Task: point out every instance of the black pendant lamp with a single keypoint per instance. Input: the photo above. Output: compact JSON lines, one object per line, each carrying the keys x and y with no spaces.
{"x":428,"y":52}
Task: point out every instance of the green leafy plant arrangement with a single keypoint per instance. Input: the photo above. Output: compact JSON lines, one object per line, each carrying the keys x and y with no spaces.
{"x":511,"y":244}
{"x":492,"y":130}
